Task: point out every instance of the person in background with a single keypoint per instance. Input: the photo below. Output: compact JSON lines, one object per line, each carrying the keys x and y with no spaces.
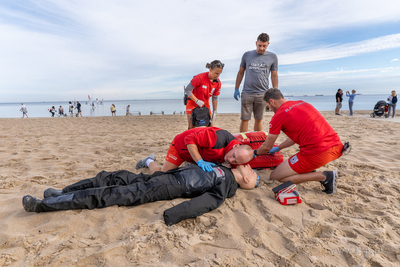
{"x":392,"y":103}
{"x":202,"y":87}
{"x":112,"y":108}
{"x":52,"y":111}
{"x":258,"y":65}
{"x":71,"y":109}
{"x":128,"y":110}
{"x":339,"y":100}
{"x":24,"y":110}
{"x":351,"y":100}
{"x":60,"y":111}
{"x":78,"y":107}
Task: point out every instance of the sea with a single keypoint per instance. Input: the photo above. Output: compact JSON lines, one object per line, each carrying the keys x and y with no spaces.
{"x":172,"y":106}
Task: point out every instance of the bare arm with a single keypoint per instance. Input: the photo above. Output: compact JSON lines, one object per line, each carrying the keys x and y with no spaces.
{"x":268,"y":144}
{"x":274,"y":78}
{"x":215,"y":104}
{"x":239,"y":77}
{"x":194,"y":152}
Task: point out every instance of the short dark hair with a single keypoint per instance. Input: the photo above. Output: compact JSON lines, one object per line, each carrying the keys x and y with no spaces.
{"x":273,"y":93}
{"x":263,"y":37}
{"x":215,"y":64}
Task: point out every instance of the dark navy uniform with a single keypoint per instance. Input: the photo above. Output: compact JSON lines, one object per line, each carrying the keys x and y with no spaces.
{"x":208,"y":191}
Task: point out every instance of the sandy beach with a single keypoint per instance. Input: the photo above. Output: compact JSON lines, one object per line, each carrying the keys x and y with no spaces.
{"x":357,"y":226}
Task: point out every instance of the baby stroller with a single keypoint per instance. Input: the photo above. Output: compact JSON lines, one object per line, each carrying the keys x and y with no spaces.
{"x":381,"y":108}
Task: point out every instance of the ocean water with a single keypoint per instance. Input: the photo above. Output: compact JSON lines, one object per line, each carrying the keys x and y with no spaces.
{"x":170,"y":106}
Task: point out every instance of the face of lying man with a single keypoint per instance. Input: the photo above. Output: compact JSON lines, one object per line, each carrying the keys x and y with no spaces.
{"x":248,"y":179}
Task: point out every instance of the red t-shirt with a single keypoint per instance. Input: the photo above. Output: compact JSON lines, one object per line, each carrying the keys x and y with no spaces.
{"x":204,"y":88}
{"x":302,"y":123}
{"x":213,"y":143}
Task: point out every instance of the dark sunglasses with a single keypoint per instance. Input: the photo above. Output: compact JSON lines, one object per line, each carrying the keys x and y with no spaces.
{"x":219,"y":65}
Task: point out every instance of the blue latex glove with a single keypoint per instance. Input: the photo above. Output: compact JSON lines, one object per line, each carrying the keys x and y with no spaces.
{"x":206,"y":166}
{"x":236,"y":95}
{"x":274,"y":150}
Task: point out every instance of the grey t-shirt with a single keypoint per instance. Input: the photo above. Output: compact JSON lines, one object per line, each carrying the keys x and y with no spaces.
{"x":258,"y":68}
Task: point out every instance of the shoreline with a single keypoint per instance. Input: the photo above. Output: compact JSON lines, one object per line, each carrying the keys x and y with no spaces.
{"x":365,"y":114}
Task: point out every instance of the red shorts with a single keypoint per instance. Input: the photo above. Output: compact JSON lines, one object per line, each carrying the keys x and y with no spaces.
{"x":190,"y":105}
{"x":173,"y":155}
{"x":301,"y":163}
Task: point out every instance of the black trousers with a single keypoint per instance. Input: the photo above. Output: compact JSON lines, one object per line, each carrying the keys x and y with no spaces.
{"x":121,"y":188}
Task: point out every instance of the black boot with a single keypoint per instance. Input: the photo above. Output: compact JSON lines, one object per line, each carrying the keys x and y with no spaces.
{"x":31,"y":204}
{"x":51,"y":192}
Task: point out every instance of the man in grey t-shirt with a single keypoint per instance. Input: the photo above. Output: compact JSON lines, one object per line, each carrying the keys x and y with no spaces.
{"x":257,"y":64}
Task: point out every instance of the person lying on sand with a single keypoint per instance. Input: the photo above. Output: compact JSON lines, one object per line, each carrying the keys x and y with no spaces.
{"x":203,"y":145}
{"x":123,"y":188}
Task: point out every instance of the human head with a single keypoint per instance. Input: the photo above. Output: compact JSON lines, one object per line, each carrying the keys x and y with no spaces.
{"x":273,"y":98}
{"x":215,"y":68}
{"x":239,"y":154}
{"x":393,"y":93}
{"x":246,"y":177}
{"x":70,"y":102}
{"x":22,"y":103}
{"x":353,"y":91}
{"x":339,"y":90}
{"x":262,"y":43}
{"x":60,"y":106}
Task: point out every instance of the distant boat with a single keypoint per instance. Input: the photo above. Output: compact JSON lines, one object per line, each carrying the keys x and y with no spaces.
{"x":319,"y":95}
{"x":305,"y":95}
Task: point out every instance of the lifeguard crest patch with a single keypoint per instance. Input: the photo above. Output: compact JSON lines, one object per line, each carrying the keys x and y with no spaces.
{"x":294,"y":159}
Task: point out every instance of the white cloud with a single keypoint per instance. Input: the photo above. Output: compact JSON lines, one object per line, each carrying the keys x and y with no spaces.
{"x":341,"y":51}
{"x":395,"y":59}
{"x":130,"y":48}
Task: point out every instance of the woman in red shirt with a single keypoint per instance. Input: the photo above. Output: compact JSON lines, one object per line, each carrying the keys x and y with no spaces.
{"x":202,"y":87}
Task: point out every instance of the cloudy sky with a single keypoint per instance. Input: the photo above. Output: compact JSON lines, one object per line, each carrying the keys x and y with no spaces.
{"x":121,"y":49}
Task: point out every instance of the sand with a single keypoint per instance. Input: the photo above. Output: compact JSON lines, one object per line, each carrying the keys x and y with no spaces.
{"x":357,"y":226}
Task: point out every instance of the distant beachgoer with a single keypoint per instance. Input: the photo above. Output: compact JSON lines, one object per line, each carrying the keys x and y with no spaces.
{"x":351,"y":100}
{"x":61,"y":111}
{"x":392,"y":103}
{"x":78,"y":107}
{"x":339,"y":100}
{"x":127,"y":110}
{"x":201,"y":88}
{"x":52,"y":111}
{"x":113,"y":110}
{"x":71,"y":109}
{"x":258,"y":65}
{"x":24,"y":110}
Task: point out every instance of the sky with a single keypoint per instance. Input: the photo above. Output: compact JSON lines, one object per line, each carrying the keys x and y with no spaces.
{"x":128,"y":49}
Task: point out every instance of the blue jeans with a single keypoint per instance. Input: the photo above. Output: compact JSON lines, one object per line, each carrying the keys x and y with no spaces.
{"x":351,"y":108}
{"x":392,"y":106}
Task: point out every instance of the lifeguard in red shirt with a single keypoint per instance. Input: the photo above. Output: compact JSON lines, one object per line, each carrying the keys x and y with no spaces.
{"x":202,"y":87}
{"x":203,"y":145}
{"x":319,"y":144}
